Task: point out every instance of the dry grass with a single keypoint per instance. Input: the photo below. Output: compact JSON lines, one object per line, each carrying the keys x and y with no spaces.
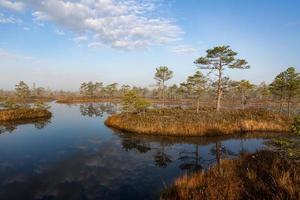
{"x":179,"y":122}
{"x":70,"y":100}
{"x":288,"y":145}
{"x":86,"y":100}
{"x":21,"y":114}
{"x":264,"y":175}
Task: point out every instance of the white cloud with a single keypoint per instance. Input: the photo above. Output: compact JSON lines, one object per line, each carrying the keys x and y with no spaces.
{"x":13,"y":5}
{"x":121,"y":24}
{"x":25,"y":28}
{"x":9,"y":20}
{"x":59,"y":32}
{"x":80,"y":39}
{"x":95,"y":45}
{"x":184,"y":49}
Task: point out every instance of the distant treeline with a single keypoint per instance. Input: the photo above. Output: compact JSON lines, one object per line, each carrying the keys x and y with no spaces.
{"x":199,"y":88}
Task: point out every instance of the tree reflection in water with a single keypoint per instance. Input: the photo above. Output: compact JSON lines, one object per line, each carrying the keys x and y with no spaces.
{"x":116,"y":166}
{"x":11,"y":126}
{"x":97,"y":109}
{"x":190,"y":159}
{"x":129,"y":143}
{"x":161,"y":158}
{"x":220,"y":152}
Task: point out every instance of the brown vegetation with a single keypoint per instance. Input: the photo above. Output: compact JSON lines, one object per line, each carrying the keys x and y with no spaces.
{"x":71,"y":100}
{"x":263,"y":175}
{"x":180,"y":122}
{"x":287,"y":145}
{"x":75,"y":99}
{"x":23,"y":113}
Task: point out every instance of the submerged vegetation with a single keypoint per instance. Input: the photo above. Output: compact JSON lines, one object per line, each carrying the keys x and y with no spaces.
{"x":263,"y":175}
{"x":180,"y":122}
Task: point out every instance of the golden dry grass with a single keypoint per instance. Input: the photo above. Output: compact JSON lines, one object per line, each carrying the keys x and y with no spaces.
{"x":263,"y":175}
{"x":24,"y":113}
{"x":86,"y":100}
{"x":179,"y":122}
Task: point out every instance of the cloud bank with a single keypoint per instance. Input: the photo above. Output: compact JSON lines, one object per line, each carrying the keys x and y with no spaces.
{"x":126,"y":24}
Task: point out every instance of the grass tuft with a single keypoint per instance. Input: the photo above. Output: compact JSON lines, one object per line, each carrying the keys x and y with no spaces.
{"x":263,"y":175}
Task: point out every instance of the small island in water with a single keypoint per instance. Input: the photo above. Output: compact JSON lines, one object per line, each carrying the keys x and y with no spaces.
{"x":187,"y":122}
{"x":23,"y":113}
{"x":22,"y":106}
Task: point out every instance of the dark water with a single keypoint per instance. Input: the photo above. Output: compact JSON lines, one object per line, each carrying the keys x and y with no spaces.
{"x":74,"y":156}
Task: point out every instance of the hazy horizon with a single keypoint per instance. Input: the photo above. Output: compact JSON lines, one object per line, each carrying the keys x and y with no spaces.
{"x":59,"y":44}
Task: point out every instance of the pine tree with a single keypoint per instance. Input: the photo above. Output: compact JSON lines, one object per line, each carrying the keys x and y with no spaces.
{"x":218,"y":59}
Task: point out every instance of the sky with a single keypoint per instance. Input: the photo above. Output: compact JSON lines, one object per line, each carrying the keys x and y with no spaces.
{"x":61,"y":43}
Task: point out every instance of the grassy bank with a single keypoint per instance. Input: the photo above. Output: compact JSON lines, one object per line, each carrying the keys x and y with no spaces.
{"x":263,"y":175}
{"x":86,"y":100}
{"x":179,"y":122}
{"x":24,"y":113}
{"x":71,"y":100}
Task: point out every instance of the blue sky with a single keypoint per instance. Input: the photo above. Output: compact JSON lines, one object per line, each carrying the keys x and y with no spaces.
{"x":59,"y":44}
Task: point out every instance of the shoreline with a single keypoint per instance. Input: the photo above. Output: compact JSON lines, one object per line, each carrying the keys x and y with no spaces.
{"x":87,"y":100}
{"x":23,"y":114}
{"x":186,"y":123}
{"x":246,"y":177}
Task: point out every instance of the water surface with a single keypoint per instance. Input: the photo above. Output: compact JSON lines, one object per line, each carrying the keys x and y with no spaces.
{"x":75,"y":156}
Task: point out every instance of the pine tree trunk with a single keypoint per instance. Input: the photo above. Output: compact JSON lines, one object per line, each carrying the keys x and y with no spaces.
{"x":289,"y":108}
{"x":219,"y":90}
{"x":198,"y":105}
{"x":163,"y":93}
{"x":280,"y":105}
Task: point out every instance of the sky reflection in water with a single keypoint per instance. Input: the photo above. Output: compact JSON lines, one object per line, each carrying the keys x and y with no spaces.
{"x":75,"y":156}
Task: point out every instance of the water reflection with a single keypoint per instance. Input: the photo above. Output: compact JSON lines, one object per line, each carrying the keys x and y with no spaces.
{"x":190,"y":159}
{"x":12,"y":126}
{"x":97,"y":109}
{"x":130,"y":143}
{"x":80,"y":158}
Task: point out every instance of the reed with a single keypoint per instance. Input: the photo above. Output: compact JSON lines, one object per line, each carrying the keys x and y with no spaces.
{"x":180,"y":122}
{"x":263,"y":175}
{"x":24,"y":113}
